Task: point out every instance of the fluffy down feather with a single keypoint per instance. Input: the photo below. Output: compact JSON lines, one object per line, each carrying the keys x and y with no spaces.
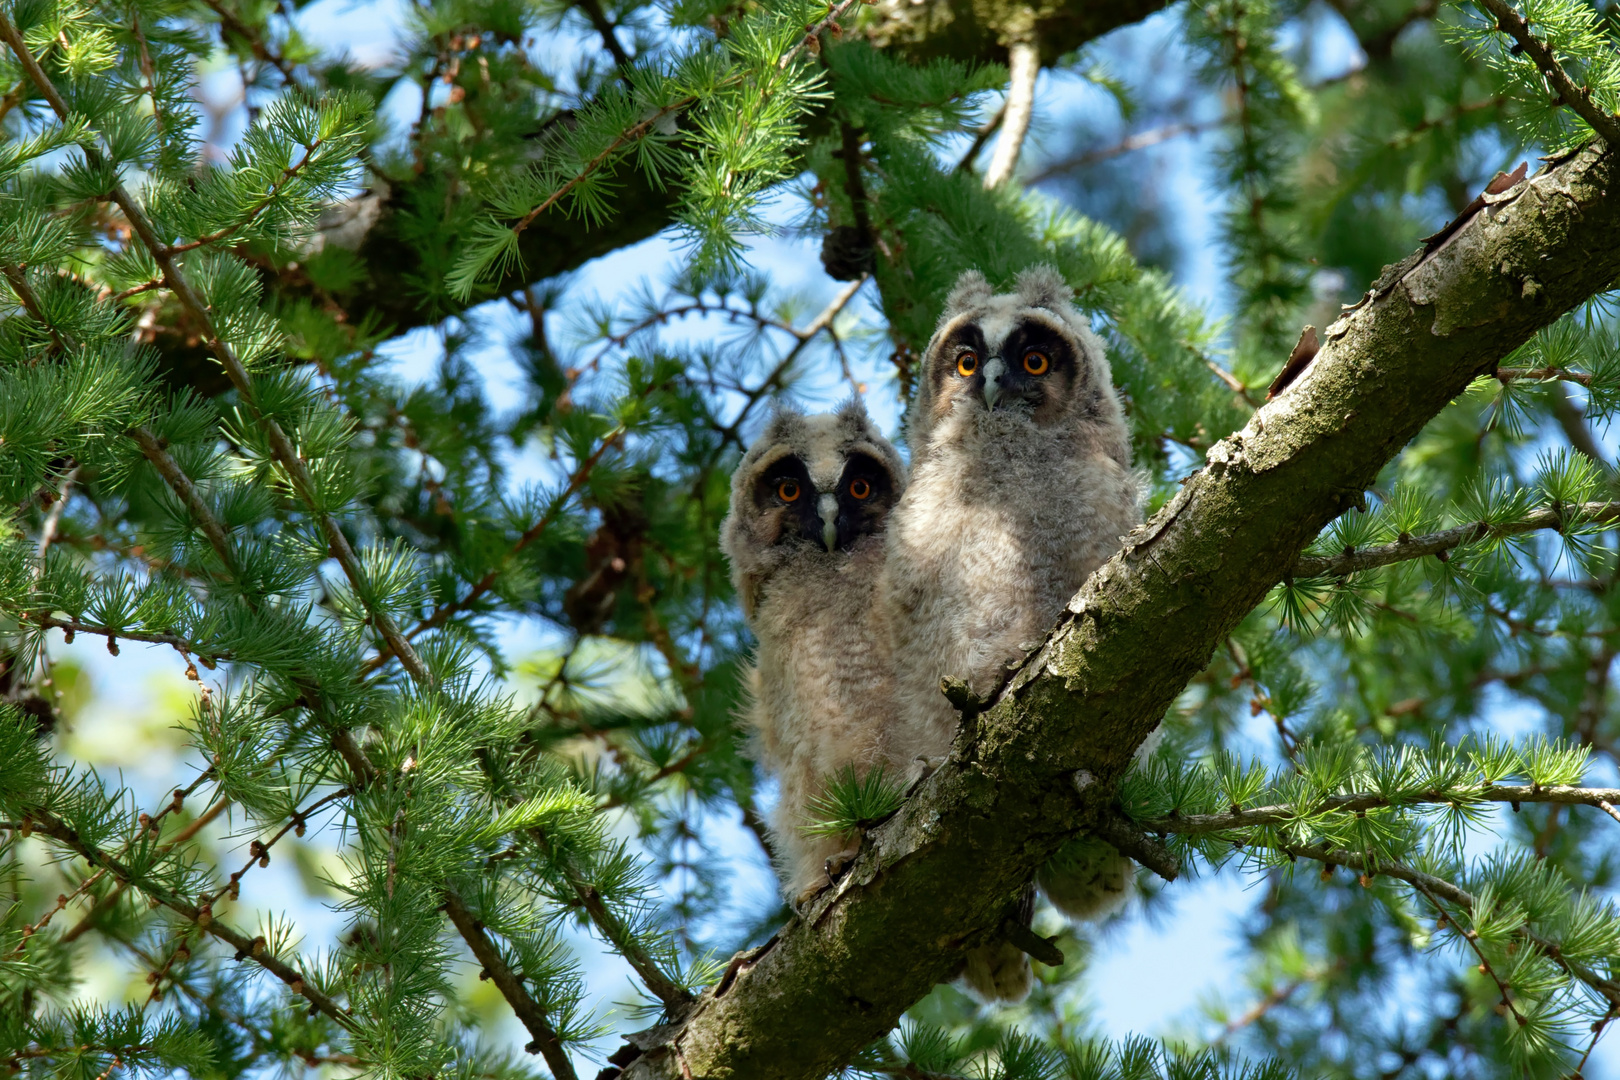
{"x":1020,"y":487}
{"x":821,"y":689}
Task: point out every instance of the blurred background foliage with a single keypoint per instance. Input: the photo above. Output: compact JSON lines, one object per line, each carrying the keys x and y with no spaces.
{"x":519,"y":279}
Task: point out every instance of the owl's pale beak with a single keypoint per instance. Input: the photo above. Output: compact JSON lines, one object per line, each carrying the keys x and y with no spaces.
{"x":827,"y":506}
{"x":994,"y":369}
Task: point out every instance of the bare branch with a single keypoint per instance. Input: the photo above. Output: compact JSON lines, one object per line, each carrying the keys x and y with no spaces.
{"x":604,"y":27}
{"x":980,"y":137}
{"x":1141,"y":140}
{"x":1569,"y":417}
{"x":1024,"y":68}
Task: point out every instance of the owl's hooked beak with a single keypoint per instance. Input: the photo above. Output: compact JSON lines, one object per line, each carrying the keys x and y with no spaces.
{"x":827,"y":506}
{"x":994,"y":369}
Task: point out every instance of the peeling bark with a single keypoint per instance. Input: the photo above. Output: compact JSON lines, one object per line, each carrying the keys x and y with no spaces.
{"x":1041,"y":762}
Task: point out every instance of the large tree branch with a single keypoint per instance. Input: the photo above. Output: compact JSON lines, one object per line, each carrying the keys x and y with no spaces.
{"x":1040,"y":763}
{"x":377,"y":226}
{"x":977,"y":30}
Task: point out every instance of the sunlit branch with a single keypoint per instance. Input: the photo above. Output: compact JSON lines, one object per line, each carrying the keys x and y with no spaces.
{"x":1024,"y":67}
{"x":184,"y":646}
{"x":89,"y":918}
{"x":524,"y":1007}
{"x":1450,"y":893}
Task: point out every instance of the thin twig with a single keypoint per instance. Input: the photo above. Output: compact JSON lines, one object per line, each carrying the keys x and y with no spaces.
{"x":1416,"y":547}
{"x":18,"y":281}
{"x":48,"y":824}
{"x":1570,"y":418}
{"x":1324,"y":853}
{"x":1198,"y":824}
{"x":228,"y":20}
{"x":1472,"y":939}
{"x":443,"y":613}
{"x":53,"y":519}
{"x":78,"y":929}
{"x":1543,"y":374}
{"x":980,"y":137}
{"x":605,"y":28}
{"x":732,"y":431}
{"x":1141,"y":140}
{"x":259,"y":850}
{"x":524,"y":1007}
{"x":185,"y":646}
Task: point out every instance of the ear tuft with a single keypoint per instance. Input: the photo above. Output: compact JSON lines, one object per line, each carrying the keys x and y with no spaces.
{"x":1043,"y":286}
{"x":785,"y":417}
{"x":970,"y":290}
{"x":853,"y":417}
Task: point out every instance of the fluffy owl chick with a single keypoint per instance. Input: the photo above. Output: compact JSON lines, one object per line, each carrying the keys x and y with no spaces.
{"x":1020,"y":487}
{"x":809,"y":503}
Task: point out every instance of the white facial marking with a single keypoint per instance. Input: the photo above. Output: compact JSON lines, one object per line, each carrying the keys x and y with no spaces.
{"x":993,"y":371}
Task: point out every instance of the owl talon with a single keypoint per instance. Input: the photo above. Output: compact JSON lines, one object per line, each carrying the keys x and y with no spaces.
{"x":806,"y":895}
{"x":837,"y":864}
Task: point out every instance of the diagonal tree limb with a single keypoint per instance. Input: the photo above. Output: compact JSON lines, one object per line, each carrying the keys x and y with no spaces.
{"x":255,"y":947}
{"x":527,"y":1010}
{"x":1041,"y":762}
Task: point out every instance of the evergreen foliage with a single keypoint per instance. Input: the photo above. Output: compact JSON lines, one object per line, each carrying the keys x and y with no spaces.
{"x":201,"y":450}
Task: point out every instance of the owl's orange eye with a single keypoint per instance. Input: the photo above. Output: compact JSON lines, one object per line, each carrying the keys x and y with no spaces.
{"x":859,"y":488}
{"x":788,"y":490}
{"x":967,"y":362}
{"x":1036,"y":362}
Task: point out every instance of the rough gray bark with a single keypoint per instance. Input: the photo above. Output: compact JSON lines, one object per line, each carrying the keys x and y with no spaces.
{"x":981,"y":30}
{"x":1040,"y":763}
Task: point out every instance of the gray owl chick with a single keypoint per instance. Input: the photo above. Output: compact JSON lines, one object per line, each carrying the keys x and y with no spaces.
{"x":809,"y":503}
{"x":1021,"y":486}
